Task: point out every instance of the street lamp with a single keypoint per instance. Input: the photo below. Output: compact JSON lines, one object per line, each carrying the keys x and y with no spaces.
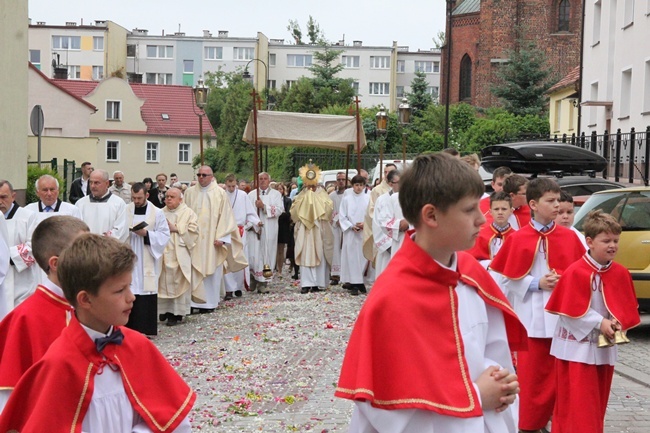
{"x":201,"y":100}
{"x":450,"y":9}
{"x":382,"y":129}
{"x":404,"y":110}
{"x":247,"y":76}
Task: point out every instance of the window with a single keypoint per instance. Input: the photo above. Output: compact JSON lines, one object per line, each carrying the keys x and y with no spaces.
{"x":160,"y":51}
{"x":239,"y":53}
{"x":66,"y":42}
{"x":113,"y":110}
{"x":563,"y":16}
{"x":270,"y":84}
{"x":35,"y":58}
{"x":188,"y":66}
{"x":184,"y":151}
{"x":427,"y":67}
{"x":213,"y":53}
{"x":74,"y":72}
{"x":155,"y":78}
{"x":629,"y":13}
{"x":112,"y":150}
{"x":597,"y":18}
{"x":152,"y":151}
{"x":433,"y":91}
{"x":558,"y":116}
{"x":130,"y":50}
{"x":626,"y":93}
{"x":98,"y":73}
{"x":401,"y":66}
{"x":646,"y":93}
{"x":299,"y":60}
{"x":271,"y":59}
{"x":465,"y":91}
{"x":350,"y":61}
{"x":379,"y":88}
{"x":355,"y":87}
{"x":379,"y":62}
{"x":290,"y":83}
{"x":98,"y":43}
{"x":593,"y":96}
{"x":399,"y":91}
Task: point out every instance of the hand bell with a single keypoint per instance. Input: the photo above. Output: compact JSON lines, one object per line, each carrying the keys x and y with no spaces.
{"x":620,"y":337}
{"x":603,"y":341}
{"x":267,"y":272}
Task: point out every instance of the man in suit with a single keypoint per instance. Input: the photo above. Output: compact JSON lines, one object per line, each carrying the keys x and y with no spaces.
{"x":80,"y":186}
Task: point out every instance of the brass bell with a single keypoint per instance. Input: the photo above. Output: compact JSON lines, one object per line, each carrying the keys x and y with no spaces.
{"x":267,"y":272}
{"x":603,"y":341}
{"x":620,"y":337}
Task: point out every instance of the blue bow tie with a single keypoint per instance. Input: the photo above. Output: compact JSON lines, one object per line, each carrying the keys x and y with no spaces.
{"x":115,"y":338}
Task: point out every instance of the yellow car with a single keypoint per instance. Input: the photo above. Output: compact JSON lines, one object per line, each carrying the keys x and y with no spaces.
{"x":631,"y":207}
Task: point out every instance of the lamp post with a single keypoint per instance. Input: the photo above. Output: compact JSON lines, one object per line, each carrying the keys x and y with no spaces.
{"x":201,"y":100}
{"x":450,"y":8}
{"x":247,"y":76}
{"x":382,"y":129}
{"x":404,"y":120}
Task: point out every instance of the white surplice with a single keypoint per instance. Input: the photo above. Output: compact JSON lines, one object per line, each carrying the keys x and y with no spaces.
{"x":23,"y":277}
{"x":336,"y":198}
{"x":245,"y":217}
{"x":485,"y":343}
{"x":353,"y":211}
{"x":263,"y":251}
{"x":64,"y":208}
{"x":105,"y":218}
{"x":6,"y":298}
{"x":385,"y":229}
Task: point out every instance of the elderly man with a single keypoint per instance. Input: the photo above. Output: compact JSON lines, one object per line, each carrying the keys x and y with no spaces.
{"x":104,"y":213}
{"x":119,"y":188}
{"x":263,"y":247}
{"x":217,"y":229}
{"x":80,"y":186}
{"x":149,"y":234}
{"x":23,"y":275}
{"x":47,"y":190}
{"x":180,"y":281}
{"x":245,"y":217}
{"x":157,"y":194}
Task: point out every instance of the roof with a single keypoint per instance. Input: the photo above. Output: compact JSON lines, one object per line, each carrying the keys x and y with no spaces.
{"x":571,"y":79}
{"x":175,"y":101}
{"x":71,"y":94}
{"x":467,"y":7}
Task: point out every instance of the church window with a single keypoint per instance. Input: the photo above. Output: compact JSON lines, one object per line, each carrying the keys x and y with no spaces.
{"x":563,"y":16}
{"x":465,"y":94}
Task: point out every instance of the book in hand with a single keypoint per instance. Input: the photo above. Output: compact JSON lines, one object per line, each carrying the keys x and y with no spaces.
{"x":139,"y":226}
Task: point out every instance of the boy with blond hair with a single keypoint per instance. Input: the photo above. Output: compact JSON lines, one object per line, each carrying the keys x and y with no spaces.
{"x":594,"y":296}
{"x":429,"y":351}
{"x":94,"y":377}
{"x":531,"y":261}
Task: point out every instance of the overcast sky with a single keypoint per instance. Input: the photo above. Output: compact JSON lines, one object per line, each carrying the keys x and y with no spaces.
{"x":378,"y":23}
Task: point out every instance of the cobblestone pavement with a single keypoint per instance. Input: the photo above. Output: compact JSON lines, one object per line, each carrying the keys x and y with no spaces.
{"x":270,"y":363}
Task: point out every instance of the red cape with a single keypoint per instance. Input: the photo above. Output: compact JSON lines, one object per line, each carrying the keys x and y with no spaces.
{"x":572,"y":295}
{"x":54,"y":395}
{"x":28,"y":331}
{"x":522,"y":214}
{"x":405,"y":351}
{"x":484,"y":205}
{"x":515,"y":258}
{"x":481,"y":249}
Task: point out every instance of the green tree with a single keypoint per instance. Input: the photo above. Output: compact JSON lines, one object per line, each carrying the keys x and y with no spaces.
{"x":419,"y":98}
{"x":524,"y":81}
{"x":33,"y":173}
{"x":315,"y":34}
{"x":439,"y":39}
{"x":296,"y":33}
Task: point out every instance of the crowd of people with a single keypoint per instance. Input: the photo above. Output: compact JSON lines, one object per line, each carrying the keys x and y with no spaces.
{"x":482,"y":306}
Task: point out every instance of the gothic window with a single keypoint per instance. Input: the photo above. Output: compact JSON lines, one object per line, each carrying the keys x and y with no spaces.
{"x":465,"y":94}
{"x":563,"y":16}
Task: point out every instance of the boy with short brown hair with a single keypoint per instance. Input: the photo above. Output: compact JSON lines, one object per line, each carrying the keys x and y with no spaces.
{"x":99,"y":376}
{"x":493,"y":235}
{"x":515,"y":186}
{"x":429,"y":350}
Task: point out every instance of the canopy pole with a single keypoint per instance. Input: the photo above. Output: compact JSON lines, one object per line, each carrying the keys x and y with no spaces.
{"x":256,"y":156}
{"x":347,"y":164}
{"x":356,"y":102}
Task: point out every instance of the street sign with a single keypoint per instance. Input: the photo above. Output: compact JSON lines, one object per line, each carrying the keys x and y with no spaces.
{"x":36,"y":120}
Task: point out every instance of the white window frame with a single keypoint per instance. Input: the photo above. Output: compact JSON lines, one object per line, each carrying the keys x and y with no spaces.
{"x":163,"y":78}
{"x":379,"y":62}
{"x":401,"y":66}
{"x":213,"y":53}
{"x":272,"y":59}
{"x":628,"y":13}
{"x":425,"y":66}
{"x":32,"y":54}
{"x":74,"y":72}
{"x":595,"y":38}
{"x":399,"y":91}
{"x":290,"y":83}
{"x":98,"y":73}
{"x":185,"y":63}
{"x":155,"y":150}
{"x":111,"y":103}
{"x":271,"y":84}
{"x":162,"y":51}
{"x":188,"y":151}
{"x":243,"y":53}
{"x":98,"y":43}
{"x":355,"y":87}
{"x":351,"y":62}
{"x":434,"y":91}
{"x":61,"y":46}
{"x":117,"y":150}
{"x":379,"y":89}
{"x":299,"y":60}
{"x":626,"y":93}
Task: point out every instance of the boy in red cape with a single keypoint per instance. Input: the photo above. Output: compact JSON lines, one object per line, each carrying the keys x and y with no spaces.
{"x":498,"y":177}
{"x":98,"y":376}
{"x":429,"y":351}
{"x":493,"y":235}
{"x":594,"y":296}
{"x":29,"y":329}
{"x":531,"y":261}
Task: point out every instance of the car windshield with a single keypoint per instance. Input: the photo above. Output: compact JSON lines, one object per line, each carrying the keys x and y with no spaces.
{"x":631,"y":209}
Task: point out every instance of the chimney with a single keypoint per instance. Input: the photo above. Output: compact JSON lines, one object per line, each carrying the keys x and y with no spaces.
{"x":223,"y":33}
{"x":179,"y":34}
{"x":357,"y":43}
{"x":100,"y":23}
{"x":70,"y":24}
{"x":40,"y":23}
{"x":207,"y":34}
{"x":61,"y":72}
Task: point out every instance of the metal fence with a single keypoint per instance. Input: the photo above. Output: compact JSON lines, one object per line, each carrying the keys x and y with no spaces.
{"x":336,"y":160}
{"x":67,"y":172}
{"x":627,"y":153}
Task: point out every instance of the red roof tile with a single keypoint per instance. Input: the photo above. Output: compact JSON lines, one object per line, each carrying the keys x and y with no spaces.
{"x":571,"y":79}
{"x":175,"y":101}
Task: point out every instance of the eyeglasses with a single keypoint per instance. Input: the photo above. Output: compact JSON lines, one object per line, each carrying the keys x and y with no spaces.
{"x":203,"y":175}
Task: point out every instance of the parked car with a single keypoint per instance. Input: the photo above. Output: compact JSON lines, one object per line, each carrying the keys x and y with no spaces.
{"x":328,"y":177}
{"x":398,"y":163}
{"x":631,"y":208}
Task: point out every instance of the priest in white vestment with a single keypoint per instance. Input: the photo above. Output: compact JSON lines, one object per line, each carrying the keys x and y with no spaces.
{"x":263,"y":244}
{"x":336,"y":196}
{"x":351,"y":217}
{"x":148,"y":237}
{"x":23,"y":274}
{"x":180,"y":281}
{"x":49,"y":204}
{"x":104,"y":213}
{"x":5,"y":306}
{"x":219,"y":241}
{"x":245,"y":218}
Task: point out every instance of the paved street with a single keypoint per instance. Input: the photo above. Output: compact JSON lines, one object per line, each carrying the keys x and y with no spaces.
{"x":269,"y":363}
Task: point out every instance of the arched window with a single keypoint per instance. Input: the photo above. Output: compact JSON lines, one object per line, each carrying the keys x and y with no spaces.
{"x":563,"y":16}
{"x":465,"y":94}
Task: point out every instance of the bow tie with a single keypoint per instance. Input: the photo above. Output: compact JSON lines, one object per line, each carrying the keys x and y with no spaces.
{"x":115,"y":338}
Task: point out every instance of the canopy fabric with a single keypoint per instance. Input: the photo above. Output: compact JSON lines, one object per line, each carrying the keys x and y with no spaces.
{"x":278,"y":128}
